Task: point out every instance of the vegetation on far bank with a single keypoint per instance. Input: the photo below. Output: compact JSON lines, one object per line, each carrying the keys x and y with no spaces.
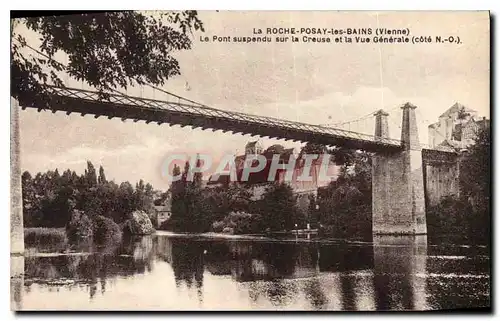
{"x":341,"y":209}
{"x":87,"y":205}
{"x":467,"y":215}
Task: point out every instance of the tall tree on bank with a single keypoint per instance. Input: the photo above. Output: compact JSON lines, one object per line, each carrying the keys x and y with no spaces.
{"x":278,"y":207}
{"x":178,"y":205}
{"x":105,"y":50}
{"x":475,"y":172}
{"x":188,"y":208}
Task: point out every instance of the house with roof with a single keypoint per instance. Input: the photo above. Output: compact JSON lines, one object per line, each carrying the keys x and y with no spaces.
{"x":457,"y":128}
{"x":257,"y":182}
{"x":163,"y":212}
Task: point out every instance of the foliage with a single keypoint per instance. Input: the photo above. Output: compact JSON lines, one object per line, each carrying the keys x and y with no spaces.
{"x":274,"y":149}
{"x":105,"y":230}
{"x":278,"y":207}
{"x":50,"y":198}
{"x":475,"y":175}
{"x":239,"y":223}
{"x":311,"y":148}
{"x":338,"y":155}
{"x":79,"y":227}
{"x":138,"y":224}
{"x":100,"y":229}
{"x":345,"y":204}
{"x":448,"y":216}
{"x":35,"y":236}
{"x":187,"y":202}
{"x":221,"y":200}
{"x":468,"y":215}
{"x":162,"y":198}
{"x":313,"y":216}
{"x":107,"y":50}
{"x":225,"y":208}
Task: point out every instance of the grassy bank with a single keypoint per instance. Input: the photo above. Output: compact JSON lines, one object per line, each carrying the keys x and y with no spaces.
{"x":44,"y":236}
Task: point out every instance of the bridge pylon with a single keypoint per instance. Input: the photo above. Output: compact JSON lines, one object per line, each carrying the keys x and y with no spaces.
{"x":398,"y":199}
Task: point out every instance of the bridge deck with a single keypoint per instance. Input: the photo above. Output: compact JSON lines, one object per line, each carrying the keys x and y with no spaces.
{"x":197,"y":115}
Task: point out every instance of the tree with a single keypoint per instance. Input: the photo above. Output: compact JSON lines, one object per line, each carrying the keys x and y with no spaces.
{"x":102,"y":177}
{"x":197,"y":176}
{"x":357,"y":172}
{"x":312,"y":148}
{"x":274,"y":149}
{"x":475,"y":170}
{"x":90,"y":175}
{"x":162,"y":198}
{"x":475,"y":186}
{"x":106,"y":50}
{"x":188,"y":204}
{"x":345,"y":204}
{"x":49,"y":199}
{"x":278,"y":207}
{"x":196,"y":206}
{"x":178,"y":188}
{"x":217,"y":203}
{"x":31,"y":204}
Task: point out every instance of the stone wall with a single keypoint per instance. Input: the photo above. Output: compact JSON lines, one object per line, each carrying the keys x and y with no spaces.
{"x":441,"y":180}
{"x":398,"y":197}
{"x":441,"y":175}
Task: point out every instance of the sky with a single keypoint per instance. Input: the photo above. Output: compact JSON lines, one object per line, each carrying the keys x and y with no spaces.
{"x":312,"y":83}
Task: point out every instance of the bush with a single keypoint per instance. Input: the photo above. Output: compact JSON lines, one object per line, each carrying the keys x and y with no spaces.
{"x":218,"y":226}
{"x":100,"y":229}
{"x":456,"y":216}
{"x":228,"y":230}
{"x":138,"y":224}
{"x":106,"y":230}
{"x":239,"y":223}
{"x":79,"y":227}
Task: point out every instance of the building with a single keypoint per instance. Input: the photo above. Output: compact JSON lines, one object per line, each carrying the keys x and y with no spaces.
{"x":163,"y":213}
{"x":253,"y":148}
{"x":258,"y":182}
{"x":457,"y":128}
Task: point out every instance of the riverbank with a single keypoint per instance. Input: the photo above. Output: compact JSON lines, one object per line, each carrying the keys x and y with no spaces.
{"x":35,"y":236}
{"x":277,"y":238}
{"x":44,"y":234}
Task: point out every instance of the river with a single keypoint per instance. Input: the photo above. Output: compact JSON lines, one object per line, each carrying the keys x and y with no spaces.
{"x":188,"y":272}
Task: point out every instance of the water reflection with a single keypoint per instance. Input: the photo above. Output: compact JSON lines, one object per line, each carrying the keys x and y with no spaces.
{"x":16,"y":282}
{"x":390,"y":274}
{"x":399,"y":270}
{"x":90,"y":269}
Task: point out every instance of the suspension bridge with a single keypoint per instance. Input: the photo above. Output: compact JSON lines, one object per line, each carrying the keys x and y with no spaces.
{"x":397,"y":175}
{"x":183,"y":112}
{"x":173,"y":109}
{"x":176,"y":110}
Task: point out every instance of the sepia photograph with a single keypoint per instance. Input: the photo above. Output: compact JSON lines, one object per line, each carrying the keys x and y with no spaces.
{"x":250,"y":161}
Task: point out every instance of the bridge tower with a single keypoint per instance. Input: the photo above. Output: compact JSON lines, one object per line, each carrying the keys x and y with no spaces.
{"x":398,"y":201}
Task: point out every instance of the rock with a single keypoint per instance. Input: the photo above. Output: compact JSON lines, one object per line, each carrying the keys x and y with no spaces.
{"x":139,"y":224}
{"x":228,"y":230}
